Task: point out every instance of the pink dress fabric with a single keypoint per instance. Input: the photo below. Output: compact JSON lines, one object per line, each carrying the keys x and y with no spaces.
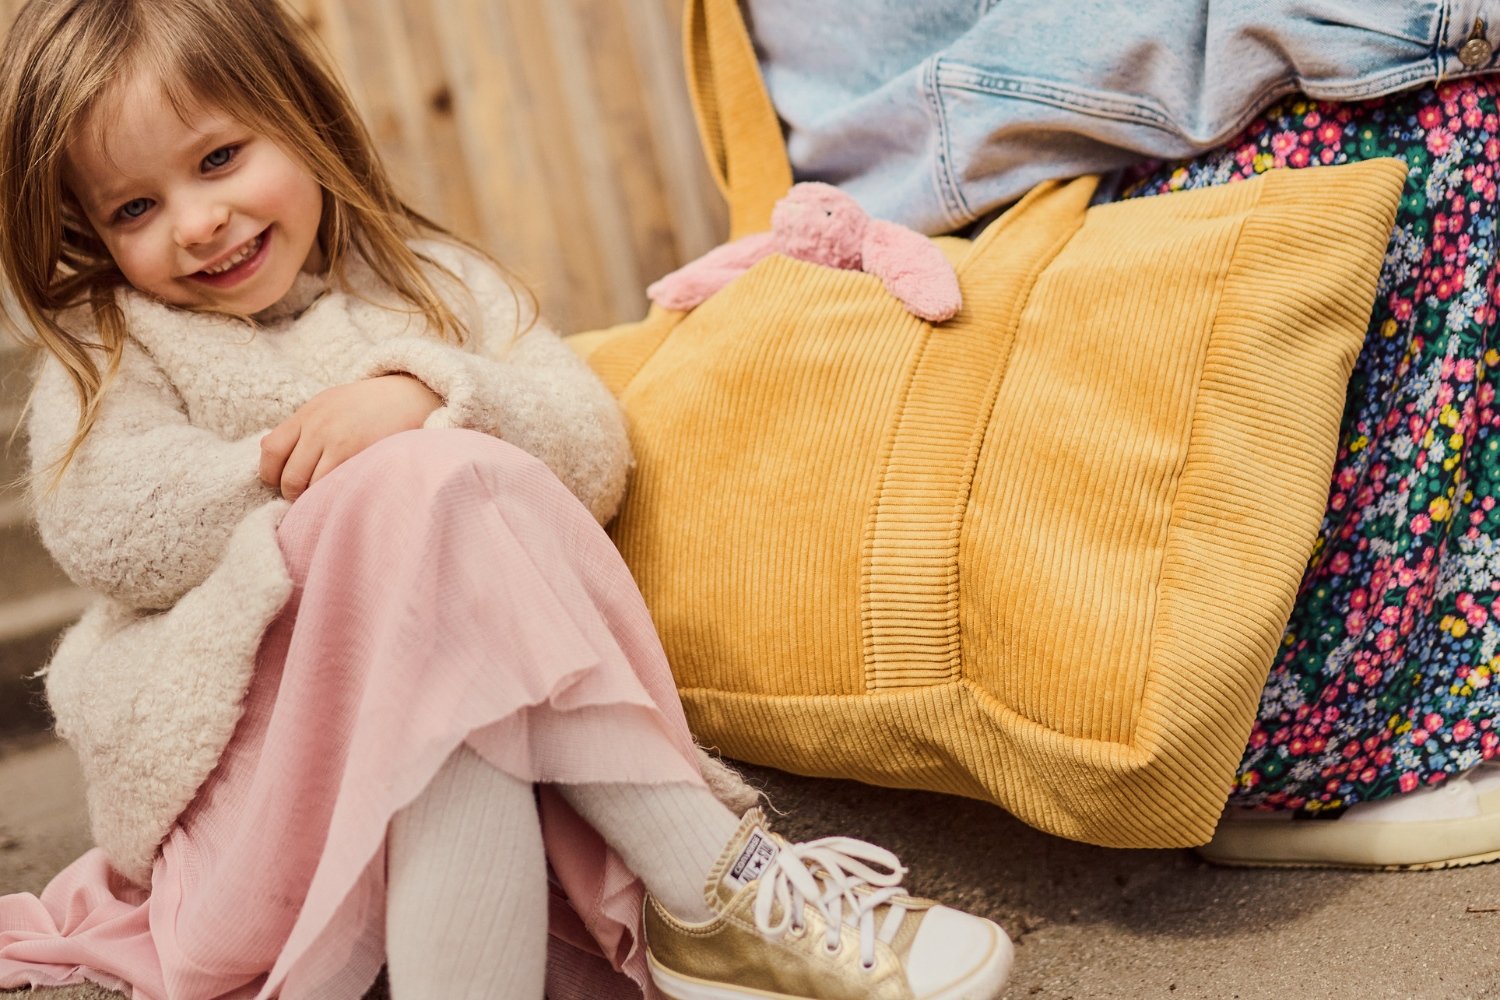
{"x":448,"y":589}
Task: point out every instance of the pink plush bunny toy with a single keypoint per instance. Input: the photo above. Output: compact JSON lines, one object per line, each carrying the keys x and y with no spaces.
{"x":823,"y":225}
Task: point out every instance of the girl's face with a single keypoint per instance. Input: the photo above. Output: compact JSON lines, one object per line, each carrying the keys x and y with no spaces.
{"x":197,"y":210}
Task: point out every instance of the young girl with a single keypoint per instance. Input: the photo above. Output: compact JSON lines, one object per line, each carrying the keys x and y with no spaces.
{"x":361,"y":728}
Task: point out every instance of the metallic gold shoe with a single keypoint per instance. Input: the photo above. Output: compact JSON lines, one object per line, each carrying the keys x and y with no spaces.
{"x":824,"y":920}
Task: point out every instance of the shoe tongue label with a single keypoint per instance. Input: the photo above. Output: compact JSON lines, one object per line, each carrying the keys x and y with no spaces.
{"x":759,"y":851}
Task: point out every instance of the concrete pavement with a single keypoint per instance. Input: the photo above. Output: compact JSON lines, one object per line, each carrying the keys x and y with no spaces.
{"x":1089,"y":922}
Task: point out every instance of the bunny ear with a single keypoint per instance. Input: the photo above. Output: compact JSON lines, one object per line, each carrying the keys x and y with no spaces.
{"x":690,"y":284}
{"x":913,"y":269}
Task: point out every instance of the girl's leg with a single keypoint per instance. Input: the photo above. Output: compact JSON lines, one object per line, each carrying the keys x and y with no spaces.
{"x":450,"y":594}
{"x":466,"y":889}
{"x":467,"y":597}
{"x":669,"y":835}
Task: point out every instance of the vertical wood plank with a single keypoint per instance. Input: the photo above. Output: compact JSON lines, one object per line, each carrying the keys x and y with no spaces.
{"x":608,"y":161}
{"x":489,"y":114}
{"x":697,"y":211}
{"x":627,"y":143}
{"x":388,"y":92}
{"x":329,"y":18}
{"x":550,"y":107}
{"x":452,"y":188}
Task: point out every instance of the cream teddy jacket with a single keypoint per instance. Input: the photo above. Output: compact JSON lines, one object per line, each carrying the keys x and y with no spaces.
{"x":163,"y":515}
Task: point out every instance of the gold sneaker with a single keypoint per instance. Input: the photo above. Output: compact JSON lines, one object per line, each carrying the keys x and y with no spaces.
{"x":824,"y":920}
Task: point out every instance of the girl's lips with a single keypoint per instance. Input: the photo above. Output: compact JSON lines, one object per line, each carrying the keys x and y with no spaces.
{"x":241,"y":271}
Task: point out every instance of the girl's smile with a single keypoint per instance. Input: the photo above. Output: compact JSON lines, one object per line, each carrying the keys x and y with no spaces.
{"x":196,"y":208}
{"x":237,"y":266}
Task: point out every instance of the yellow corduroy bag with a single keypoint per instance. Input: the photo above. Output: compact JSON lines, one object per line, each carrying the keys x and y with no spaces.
{"x":1041,"y":554}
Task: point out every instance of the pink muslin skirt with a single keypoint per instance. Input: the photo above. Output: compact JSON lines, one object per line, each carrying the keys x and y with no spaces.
{"x":448,"y":589}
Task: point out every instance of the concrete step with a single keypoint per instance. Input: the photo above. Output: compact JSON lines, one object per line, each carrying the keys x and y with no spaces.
{"x":36,"y":603}
{"x":44,"y":823}
{"x":23,"y":706}
{"x":25,"y":567}
{"x":29,"y":629}
{"x":36,"y":599}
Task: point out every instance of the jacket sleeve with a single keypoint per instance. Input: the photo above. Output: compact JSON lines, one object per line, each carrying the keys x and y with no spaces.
{"x":934,"y":114}
{"x":518,"y":383}
{"x":144,"y":510}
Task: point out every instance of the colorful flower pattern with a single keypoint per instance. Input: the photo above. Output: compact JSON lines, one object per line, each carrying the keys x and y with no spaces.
{"x":1388,"y":677}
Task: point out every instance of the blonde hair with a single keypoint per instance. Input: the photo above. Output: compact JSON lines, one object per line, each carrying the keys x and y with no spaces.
{"x":252,"y":59}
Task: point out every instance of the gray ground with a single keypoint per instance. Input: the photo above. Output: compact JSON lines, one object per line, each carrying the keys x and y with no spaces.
{"x":1088,"y":922}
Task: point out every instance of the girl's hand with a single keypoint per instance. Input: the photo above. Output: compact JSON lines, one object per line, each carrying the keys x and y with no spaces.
{"x":339,"y":423}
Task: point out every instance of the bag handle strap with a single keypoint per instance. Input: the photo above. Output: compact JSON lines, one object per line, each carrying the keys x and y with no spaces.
{"x":738,"y":125}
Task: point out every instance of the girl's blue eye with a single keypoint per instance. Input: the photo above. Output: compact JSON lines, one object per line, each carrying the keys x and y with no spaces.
{"x":219,"y":157}
{"x":135,"y":208}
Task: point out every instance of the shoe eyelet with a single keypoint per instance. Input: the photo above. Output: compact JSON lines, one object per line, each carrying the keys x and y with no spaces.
{"x":834,"y":948}
{"x":868,"y":968}
{"x":796,"y":930}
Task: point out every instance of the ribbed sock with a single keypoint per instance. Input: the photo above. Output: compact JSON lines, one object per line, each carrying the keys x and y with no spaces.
{"x":670,"y":835}
{"x":466,"y":895}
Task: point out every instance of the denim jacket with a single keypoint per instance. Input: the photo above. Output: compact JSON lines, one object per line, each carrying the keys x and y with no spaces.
{"x":933,"y":113}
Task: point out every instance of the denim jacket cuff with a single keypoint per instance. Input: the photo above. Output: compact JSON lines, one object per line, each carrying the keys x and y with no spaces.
{"x":1468,"y":38}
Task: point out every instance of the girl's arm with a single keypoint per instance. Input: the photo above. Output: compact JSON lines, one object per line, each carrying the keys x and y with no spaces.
{"x":531,"y":390}
{"x":145,"y":508}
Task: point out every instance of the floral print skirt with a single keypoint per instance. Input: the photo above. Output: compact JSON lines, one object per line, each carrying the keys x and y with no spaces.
{"x":1388,"y":676}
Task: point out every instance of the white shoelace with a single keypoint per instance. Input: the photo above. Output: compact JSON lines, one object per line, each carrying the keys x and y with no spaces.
{"x":791,"y":881}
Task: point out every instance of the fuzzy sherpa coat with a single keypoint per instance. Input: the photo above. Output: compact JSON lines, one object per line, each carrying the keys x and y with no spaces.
{"x":162,"y":512}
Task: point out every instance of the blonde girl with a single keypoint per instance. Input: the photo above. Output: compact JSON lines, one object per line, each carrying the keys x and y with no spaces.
{"x":364,"y":670}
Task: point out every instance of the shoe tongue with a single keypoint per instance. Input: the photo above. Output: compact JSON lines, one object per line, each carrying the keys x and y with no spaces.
{"x":756,"y":855}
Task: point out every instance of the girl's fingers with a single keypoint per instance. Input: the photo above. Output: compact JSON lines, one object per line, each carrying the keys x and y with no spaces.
{"x":297,"y":475}
{"x":327,"y":462}
{"x":275,"y":448}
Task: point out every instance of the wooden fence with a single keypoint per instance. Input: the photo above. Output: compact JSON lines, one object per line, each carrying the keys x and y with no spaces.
{"x":555,"y":133}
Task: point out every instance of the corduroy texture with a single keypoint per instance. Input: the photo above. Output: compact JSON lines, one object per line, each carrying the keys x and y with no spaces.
{"x":1041,"y":554}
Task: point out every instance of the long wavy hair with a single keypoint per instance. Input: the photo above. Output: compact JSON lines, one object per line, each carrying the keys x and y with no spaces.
{"x":252,"y":59}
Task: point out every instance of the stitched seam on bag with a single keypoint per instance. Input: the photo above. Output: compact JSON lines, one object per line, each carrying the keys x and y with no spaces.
{"x":872,"y":524}
{"x":1174,"y":518}
{"x":1013,"y":764}
{"x":1232,"y":253}
{"x":997,"y":230}
{"x":878,"y":676}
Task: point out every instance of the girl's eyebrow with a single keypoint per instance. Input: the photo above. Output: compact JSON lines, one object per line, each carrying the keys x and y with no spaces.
{"x":103,"y":198}
{"x":93,"y":200}
{"x":214,"y":135}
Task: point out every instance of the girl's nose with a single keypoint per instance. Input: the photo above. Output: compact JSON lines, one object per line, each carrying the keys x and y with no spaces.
{"x":198,"y":222}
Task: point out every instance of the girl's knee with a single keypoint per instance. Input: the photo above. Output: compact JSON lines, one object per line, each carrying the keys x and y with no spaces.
{"x":411,"y":469}
{"x":427,"y":456}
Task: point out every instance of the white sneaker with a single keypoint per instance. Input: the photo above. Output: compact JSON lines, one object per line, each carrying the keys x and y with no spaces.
{"x":1452,"y":825}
